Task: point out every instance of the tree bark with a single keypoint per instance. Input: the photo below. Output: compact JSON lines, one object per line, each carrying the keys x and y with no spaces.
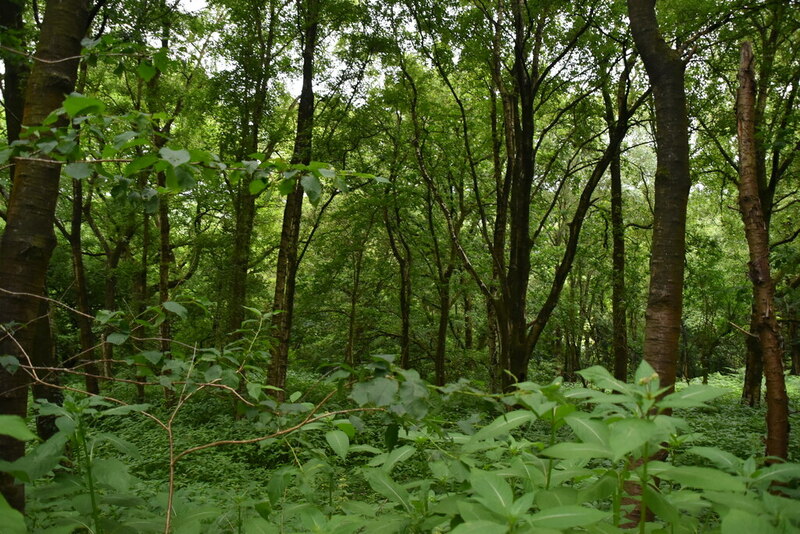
{"x":777,"y":442}
{"x":16,"y":66}
{"x":665,"y":69}
{"x":28,"y":240}
{"x":286,"y":271}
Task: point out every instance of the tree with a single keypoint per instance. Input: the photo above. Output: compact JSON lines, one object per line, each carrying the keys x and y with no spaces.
{"x":764,"y":311}
{"x":286,"y":270}
{"x":28,"y":239}
{"x":665,"y":69}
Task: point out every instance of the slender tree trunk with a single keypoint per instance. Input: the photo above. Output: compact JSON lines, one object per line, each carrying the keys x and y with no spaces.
{"x":28,"y":240}
{"x":15,"y":65}
{"x":777,"y":442}
{"x":84,"y":323}
{"x":665,"y":69}
{"x":286,"y":273}
{"x":44,"y":354}
{"x":245,"y":212}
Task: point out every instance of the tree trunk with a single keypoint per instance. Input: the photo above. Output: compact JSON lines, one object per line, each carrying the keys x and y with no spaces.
{"x":402,"y":254}
{"x":16,"y":66}
{"x":286,"y":271}
{"x":85,"y":335}
{"x":777,"y":442}
{"x":665,"y":69}
{"x":28,"y":240}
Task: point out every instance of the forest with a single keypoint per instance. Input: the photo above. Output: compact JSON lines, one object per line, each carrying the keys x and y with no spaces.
{"x":354,"y":266}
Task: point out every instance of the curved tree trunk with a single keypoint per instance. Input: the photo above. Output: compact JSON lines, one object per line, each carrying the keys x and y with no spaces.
{"x":665,"y":69}
{"x":28,"y":240}
{"x":766,"y":325}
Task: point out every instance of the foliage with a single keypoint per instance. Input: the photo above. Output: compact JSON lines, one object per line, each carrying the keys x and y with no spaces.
{"x":395,"y":454}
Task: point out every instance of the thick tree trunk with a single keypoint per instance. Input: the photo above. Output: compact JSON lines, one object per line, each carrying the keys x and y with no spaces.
{"x":286,"y":272}
{"x":777,"y":442}
{"x":665,"y":69}
{"x":28,"y":239}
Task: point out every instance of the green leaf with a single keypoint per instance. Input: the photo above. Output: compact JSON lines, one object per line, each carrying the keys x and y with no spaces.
{"x":117,"y":338}
{"x":112,"y":473}
{"x":378,"y":391}
{"x":146,"y":71}
{"x":703,"y":478}
{"x":175,"y":308}
{"x":721,"y":458}
{"x":312,"y":187}
{"x":339,"y":442}
{"x":126,"y":409}
{"x":781,"y":472}
{"x":602,"y":378}
{"x":502,"y":425}
{"x":175,"y":157}
{"x":76,"y":104}
{"x":739,"y":522}
{"x":629,"y":434}
{"x":286,"y":186}
{"x":694,"y":396}
{"x":382,"y":484}
{"x":588,"y":430}
{"x":577,"y":451}
{"x":480,"y":527}
{"x":492,"y":491}
{"x":15,"y":426}
{"x":13,"y":522}
{"x":5,"y":155}
{"x":567,"y":517}
{"x":256,"y":186}
{"x":140,"y":164}
{"x":397,"y":456}
{"x":79,"y":171}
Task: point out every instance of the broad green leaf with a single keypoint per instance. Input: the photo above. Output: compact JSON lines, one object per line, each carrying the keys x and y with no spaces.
{"x":15,"y":426}
{"x":629,"y":434}
{"x":175,"y":157}
{"x":13,"y":522}
{"x":126,"y":409}
{"x":660,"y":506}
{"x":588,"y":430}
{"x":703,"y":478}
{"x":146,"y":71}
{"x":76,"y":104}
{"x":694,"y":396}
{"x":5,"y":155}
{"x":378,"y":391}
{"x":258,"y":525}
{"x":398,"y":455}
{"x":117,"y":338}
{"x":339,"y":442}
{"x":492,"y":491}
{"x":256,"y":186}
{"x":286,"y":186}
{"x":175,"y":308}
{"x":312,"y":519}
{"x":721,"y":458}
{"x":139,"y":164}
{"x":748,"y":502}
{"x":602,"y":378}
{"x":480,"y":527}
{"x":111,"y":472}
{"x":503,"y":425}
{"x":567,"y":517}
{"x":79,"y":171}
{"x":312,"y":187}
{"x":781,"y":472}
{"x":739,"y":522}
{"x":382,"y":484}
{"x":577,"y":451}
